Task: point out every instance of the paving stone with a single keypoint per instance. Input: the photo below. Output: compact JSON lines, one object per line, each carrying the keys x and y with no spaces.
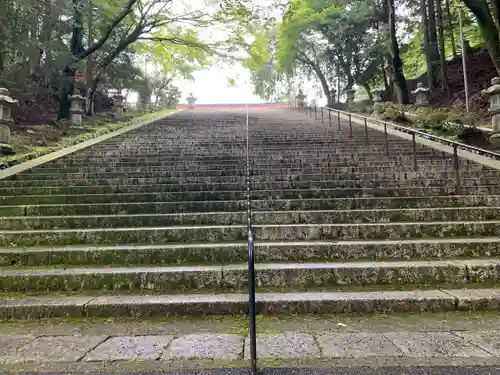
{"x":55,"y":349}
{"x":208,"y":345}
{"x":486,"y":340}
{"x":434,"y":344}
{"x":285,"y":345}
{"x":10,"y":343}
{"x":130,"y":348}
{"x":362,"y":344}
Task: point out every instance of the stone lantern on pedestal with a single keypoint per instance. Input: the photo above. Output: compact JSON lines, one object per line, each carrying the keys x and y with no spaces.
{"x":191,"y":100}
{"x":377,"y":95}
{"x":6,"y":104}
{"x":493,"y":93}
{"x":301,"y":97}
{"x":350,"y":96}
{"x":76,"y":109}
{"x":422,"y":94}
{"x":118,"y":106}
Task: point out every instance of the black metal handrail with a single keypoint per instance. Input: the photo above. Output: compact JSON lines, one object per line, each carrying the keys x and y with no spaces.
{"x":251,"y":261}
{"x":414,"y":133}
{"x":411,"y":131}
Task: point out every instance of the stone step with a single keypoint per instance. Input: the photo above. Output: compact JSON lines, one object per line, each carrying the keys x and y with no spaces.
{"x":178,"y":279}
{"x":324,"y":302}
{"x":123,"y":208}
{"x":258,"y":217}
{"x":223,"y":253}
{"x":241,"y":195}
{"x":74,"y":161}
{"x":215,"y":170}
{"x":268,"y":232}
{"x":114,"y":236}
{"x":228,"y":186}
{"x":123,"y":197}
{"x":373,"y":231}
{"x":403,"y":202}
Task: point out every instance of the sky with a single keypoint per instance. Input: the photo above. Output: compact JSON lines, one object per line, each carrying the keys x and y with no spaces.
{"x":211,"y":86}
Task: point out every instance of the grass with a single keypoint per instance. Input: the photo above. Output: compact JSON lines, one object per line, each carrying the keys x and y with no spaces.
{"x":31,"y":152}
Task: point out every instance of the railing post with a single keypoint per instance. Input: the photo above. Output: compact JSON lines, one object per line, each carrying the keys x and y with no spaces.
{"x":366,"y":131}
{"x":414,"y":144}
{"x":338,"y":120}
{"x":456,"y":166}
{"x":350,"y":126}
{"x":315,"y":112}
{"x":329,"y":118}
{"x":322,"y":114}
{"x":386,"y":141}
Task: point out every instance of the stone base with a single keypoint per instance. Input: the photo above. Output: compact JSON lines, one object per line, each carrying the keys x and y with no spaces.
{"x":191,"y":107}
{"x":495,"y":139}
{"x":6,"y":149}
{"x":422,"y":104}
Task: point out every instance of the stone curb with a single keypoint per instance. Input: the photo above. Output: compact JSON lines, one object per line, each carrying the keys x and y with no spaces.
{"x":237,"y":304}
{"x":21,"y":165}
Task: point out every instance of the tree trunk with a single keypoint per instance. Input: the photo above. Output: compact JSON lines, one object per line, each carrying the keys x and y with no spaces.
{"x":368,"y":91}
{"x":451,"y":29}
{"x":427,"y":47}
{"x":90,"y":58}
{"x":433,"y":39}
{"x":490,"y":32}
{"x":92,"y":93}
{"x":3,"y":34}
{"x":445,"y":86}
{"x":67,"y":86}
{"x":398,"y":76}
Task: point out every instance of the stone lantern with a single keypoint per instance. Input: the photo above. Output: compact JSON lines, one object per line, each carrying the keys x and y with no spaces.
{"x":350,"y":95}
{"x":191,"y":100}
{"x":118,"y":106}
{"x":493,"y":93}
{"x":301,"y":97}
{"x":377,"y":95}
{"x":422,"y":94}
{"x":6,"y":104}
{"x":76,"y":110}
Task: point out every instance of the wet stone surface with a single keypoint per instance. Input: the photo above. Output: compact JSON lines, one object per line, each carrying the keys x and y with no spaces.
{"x":435,"y":344}
{"x":284,"y":345}
{"x":360,"y":344}
{"x":216,"y":346}
{"x":54,"y":349}
{"x":130,"y":348}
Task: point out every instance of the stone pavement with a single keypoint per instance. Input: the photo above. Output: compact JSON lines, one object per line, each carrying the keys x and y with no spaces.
{"x":317,"y":341}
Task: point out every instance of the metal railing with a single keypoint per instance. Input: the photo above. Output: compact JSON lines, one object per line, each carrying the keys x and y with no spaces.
{"x":413,"y":132}
{"x":251,"y":260}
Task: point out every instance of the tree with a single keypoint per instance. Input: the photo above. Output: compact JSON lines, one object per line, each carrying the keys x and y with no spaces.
{"x":488,"y":18}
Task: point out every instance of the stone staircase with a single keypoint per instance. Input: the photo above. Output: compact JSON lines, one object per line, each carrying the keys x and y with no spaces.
{"x":153,"y":222}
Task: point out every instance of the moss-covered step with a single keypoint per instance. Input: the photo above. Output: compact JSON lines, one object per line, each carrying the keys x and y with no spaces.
{"x":222,"y":253}
{"x":125,"y":181}
{"x":365,"y":216}
{"x":402,"y":202}
{"x":359,"y":175}
{"x":120,"y":188}
{"x":123,"y":197}
{"x":325,"y":302}
{"x":76,"y":160}
{"x":116,"y":236}
{"x":166,"y":166}
{"x":234,"y":277}
{"x":372,"y":231}
{"x":270,"y":185}
{"x":123,"y":220}
{"x":123,"y":208}
{"x":372,"y":192}
{"x":135,"y":174}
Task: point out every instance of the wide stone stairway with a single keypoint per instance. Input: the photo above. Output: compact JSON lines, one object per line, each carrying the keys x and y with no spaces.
{"x":153,"y":222}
